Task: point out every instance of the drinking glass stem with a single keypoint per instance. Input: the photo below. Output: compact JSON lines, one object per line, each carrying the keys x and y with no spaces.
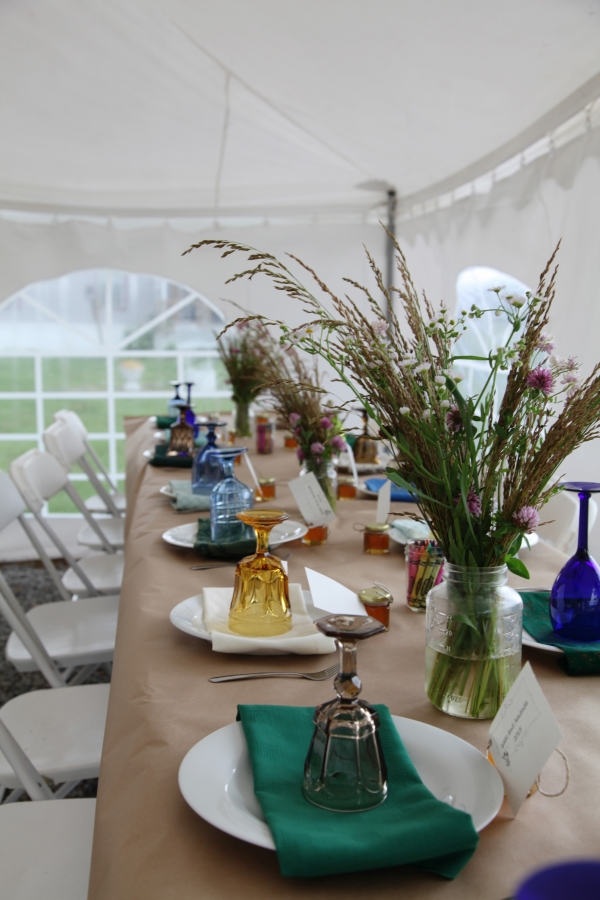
{"x":582,"y":542}
{"x":262,"y":540}
{"x":347,"y":683}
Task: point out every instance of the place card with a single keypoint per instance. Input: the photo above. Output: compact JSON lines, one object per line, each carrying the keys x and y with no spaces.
{"x":523,"y":737}
{"x":311,"y":500}
{"x":383,"y":502}
{"x":332,"y":596}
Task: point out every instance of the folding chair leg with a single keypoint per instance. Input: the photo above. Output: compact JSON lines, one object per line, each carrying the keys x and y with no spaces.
{"x":83,"y":674}
{"x":13,"y":796}
{"x":65,"y":789}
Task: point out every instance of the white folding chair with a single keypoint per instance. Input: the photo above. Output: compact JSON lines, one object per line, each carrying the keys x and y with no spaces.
{"x":45,"y":847}
{"x":65,"y":444}
{"x":71,"y":634}
{"x":39,"y":476}
{"x":99,"y":502}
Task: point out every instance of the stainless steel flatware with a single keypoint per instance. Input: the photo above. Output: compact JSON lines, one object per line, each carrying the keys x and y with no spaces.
{"x":224,"y":564}
{"x":323,"y":675}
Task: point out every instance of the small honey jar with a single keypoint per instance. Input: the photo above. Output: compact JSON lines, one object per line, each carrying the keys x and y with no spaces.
{"x":376,"y":539}
{"x":316,"y":534}
{"x":346,"y":488}
{"x":267,"y":489}
{"x":289,"y":442}
{"x":231,"y":437}
{"x":377,"y":601}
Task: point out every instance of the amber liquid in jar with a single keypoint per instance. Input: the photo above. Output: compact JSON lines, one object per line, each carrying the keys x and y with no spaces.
{"x":376,"y":542}
{"x":267,"y":487}
{"x":289,"y":442}
{"x":316,"y":535}
{"x":346,"y":490}
{"x":381,"y":613}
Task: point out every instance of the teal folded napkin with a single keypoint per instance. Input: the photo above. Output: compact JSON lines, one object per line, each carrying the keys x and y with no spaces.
{"x":165,"y":421}
{"x":184,"y":500}
{"x":410,"y":828}
{"x":228,"y":549}
{"x":160,"y":458}
{"x":580,"y":658}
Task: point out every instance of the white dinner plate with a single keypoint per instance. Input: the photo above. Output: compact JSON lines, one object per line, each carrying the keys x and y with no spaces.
{"x":185,"y":535}
{"x":528,"y":641}
{"x":215,"y":778}
{"x":188,"y":616}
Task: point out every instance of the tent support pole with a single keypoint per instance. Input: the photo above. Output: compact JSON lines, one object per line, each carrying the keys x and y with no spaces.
{"x":391,"y":226}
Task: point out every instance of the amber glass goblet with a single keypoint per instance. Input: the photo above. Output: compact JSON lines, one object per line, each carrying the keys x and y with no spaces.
{"x":260,"y":606}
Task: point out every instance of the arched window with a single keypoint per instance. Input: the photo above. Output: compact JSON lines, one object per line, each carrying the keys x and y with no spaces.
{"x":105,"y":344}
{"x":474,"y":286}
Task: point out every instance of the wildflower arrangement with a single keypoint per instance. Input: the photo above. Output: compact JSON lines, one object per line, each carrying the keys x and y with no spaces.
{"x":298,"y":399}
{"x":480,"y":467}
{"x":241,"y":352}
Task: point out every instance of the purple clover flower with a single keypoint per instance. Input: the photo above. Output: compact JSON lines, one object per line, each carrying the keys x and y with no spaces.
{"x":540,"y":379}
{"x":326,"y":422}
{"x":454,"y":420}
{"x":473,"y":503}
{"x":338,"y":442}
{"x":317,"y":449}
{"x":294,"y":419}
{"x":527,"y":518}
{"x":300,"y":454}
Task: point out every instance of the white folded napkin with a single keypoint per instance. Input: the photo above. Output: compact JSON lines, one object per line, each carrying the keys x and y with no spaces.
{"x":302,"y":637}
{"x":411,"y":530}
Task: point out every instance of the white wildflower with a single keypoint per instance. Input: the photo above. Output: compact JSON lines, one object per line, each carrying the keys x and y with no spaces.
{"x":440,"y":379}
{"x":404,"y":410}
{"x":379,"y":326}
{"x":445,"y":404}
{"x":426,"y":414}
{"x":407,"y":363}
{"x":423,"y":367}
{"x":496,"y":290}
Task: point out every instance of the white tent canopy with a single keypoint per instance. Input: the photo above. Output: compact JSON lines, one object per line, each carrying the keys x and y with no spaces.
{"x":154,"y":107}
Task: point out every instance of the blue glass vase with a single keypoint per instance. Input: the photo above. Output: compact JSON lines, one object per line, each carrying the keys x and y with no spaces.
{"x":228,"y":498}
{"x":575,"y":595}
{"x":207,"y":470}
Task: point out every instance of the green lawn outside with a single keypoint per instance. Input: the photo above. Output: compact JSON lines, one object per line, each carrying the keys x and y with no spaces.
{"x":72,"y":373}
{"x":17,"y":374}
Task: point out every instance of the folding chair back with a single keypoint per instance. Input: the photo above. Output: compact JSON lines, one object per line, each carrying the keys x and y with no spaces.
{"x":39,"y":476}
{"x":12,"y":504}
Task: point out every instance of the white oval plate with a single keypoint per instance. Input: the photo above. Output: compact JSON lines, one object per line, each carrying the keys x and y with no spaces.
{"x":188,"y":616}
{"x":528,"y":641}
{"x":215,"y":778}
{"x":185,"y":535}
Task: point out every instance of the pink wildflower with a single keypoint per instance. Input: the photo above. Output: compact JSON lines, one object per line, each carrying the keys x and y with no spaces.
{"x":300,"y":453}
{"x":570,"y":378}
{"x":317,"y":449}
{"x":379,"y":326}
{"x":242,"y":324}
{"x":294,"y":418}
{"x":454,"y":420}
{"x":571,"y":363}
{"x":527,"y":518}
{"x":338,"y":442}
{"x":473,"y":503}
{"x":235,"y":350}
{"x":545,"y":343}
{"x":325,"y":422}
{"x":540,"y":379}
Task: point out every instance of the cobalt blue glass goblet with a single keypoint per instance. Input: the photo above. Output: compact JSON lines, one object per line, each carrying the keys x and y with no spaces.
{"x":575,"y":595}
{"x":207,"y":470}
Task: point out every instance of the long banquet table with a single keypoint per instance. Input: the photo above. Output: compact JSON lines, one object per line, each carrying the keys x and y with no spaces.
{"x":149,"y":844}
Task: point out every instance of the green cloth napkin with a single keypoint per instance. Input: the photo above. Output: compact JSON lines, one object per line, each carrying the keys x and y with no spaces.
{"x":234,"y":549}
{"x":160,"y":458}
{"x":185,"y":501}
{"x":165,"y":421}
{"x":410,"y":828}
{"x":580,"y":658}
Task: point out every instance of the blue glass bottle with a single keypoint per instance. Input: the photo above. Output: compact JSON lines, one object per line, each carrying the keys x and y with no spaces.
{"x":228,"y":498}
{"x":575,"y":595}
{"x":207,"y":470}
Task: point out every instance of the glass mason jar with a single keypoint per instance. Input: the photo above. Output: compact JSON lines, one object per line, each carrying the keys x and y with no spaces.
{"x":473,"y":641}
{"x":243,"y":423}
{"x":326,"y":474}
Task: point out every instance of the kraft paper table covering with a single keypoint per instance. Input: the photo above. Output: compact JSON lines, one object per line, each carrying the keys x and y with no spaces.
{"x":149,"y":845}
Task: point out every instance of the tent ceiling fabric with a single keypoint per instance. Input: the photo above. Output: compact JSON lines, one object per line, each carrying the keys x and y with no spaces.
{"x":193,"y":106}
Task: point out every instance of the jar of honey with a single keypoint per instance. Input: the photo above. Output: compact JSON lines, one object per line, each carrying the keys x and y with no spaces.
{"x":316,"y":534}
{"x":377,"y":601}
{"x":289,"y":442}
{"x":376,"y":538}
{"x":346,"y":488}
{"x":267,"y":489}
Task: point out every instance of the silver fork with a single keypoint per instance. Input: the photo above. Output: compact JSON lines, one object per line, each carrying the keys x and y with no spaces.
{"x":323,"y":675}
